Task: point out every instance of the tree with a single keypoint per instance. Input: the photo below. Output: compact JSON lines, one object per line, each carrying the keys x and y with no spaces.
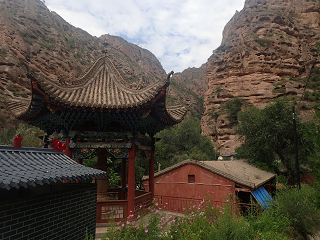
{"x":183,"y":142}
{"x":312,"y":134}
{"x":29,"y":133}
{"x":268,"y":136}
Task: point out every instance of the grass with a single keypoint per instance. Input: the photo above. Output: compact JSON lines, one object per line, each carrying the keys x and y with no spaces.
{"x":279,"y":90}
{"x":3,"y":53}
{"x":291,"y":215}
{"x":264,"y":42}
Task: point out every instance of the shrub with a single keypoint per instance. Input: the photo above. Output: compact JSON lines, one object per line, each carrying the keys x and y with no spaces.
{"x":299,"y":207}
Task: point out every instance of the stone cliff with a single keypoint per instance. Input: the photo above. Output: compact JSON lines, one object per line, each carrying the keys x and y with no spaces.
{"x":267,"y":51}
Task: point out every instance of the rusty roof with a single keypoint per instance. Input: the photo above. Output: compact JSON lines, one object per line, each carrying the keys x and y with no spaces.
{"x":237,"y":171}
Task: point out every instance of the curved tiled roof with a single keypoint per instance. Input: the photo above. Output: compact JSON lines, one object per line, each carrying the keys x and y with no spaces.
{"x":101,"y":87}
{"x":16,"y":105}
{"x":237,"y":171}
{"x":23,"y":167}
{"x":177,"y":113}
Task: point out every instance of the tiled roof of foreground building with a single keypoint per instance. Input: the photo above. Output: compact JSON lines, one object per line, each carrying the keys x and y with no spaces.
{"x":23,"y":167}
{"x":237,"y":171}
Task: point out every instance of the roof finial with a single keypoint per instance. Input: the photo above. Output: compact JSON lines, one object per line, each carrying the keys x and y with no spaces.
{"x":105,"y":50}
{"x":171,"y":73}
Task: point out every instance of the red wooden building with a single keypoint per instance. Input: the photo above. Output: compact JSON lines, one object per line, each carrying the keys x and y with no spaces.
{"x":192,"y":181}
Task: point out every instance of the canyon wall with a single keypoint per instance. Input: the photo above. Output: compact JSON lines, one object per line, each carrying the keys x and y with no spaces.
{"x":267,"y":51}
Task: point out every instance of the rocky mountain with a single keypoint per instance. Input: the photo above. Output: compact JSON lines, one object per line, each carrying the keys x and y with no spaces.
{"x":34,"y":38}
{"x":267,"y":51}
{"x":189,"y":88}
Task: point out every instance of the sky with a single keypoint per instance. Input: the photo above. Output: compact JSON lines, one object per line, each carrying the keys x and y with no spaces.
{"x":180,"y":33}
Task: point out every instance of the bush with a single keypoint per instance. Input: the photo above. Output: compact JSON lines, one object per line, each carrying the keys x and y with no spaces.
{"x":300,"y":207}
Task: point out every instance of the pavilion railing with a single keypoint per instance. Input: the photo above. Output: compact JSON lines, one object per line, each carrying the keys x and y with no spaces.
{"x":178,"y":204}
{"x":118,"y":209}
{"x":113,"y":209}
{"x":142,"y":202}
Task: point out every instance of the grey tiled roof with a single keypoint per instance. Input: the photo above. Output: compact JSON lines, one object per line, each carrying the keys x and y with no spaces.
{"x":23,"y":167}
{"x":101,"y":87}
{"x":237,"y":171}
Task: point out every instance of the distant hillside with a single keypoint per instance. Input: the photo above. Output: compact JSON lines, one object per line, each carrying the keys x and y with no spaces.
{"x":189,"y":87}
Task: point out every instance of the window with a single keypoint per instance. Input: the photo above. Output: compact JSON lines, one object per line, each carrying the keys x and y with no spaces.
{"x":191,"y":179}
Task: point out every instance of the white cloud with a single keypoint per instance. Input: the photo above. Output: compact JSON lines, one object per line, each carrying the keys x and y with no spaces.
{"x":181,"y":33}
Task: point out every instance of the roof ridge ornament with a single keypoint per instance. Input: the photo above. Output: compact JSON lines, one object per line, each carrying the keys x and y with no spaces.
{"x":168,"y":77}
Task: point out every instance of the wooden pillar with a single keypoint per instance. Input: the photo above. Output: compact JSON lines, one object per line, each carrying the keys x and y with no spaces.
{"x":151,"y":170}
{"x":68,"y":150}
{"x":131,"y":177}
{"x":123,"y":178}
{"x":102,"y":182}
{"x":80,"y":161}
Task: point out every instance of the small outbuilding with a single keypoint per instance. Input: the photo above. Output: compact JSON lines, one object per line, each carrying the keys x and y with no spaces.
{"x":34,"y":201}
{"x":192,"y":181}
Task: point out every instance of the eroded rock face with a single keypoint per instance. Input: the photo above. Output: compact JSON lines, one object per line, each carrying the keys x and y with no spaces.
{"x":266,"y":47}
{"x":189,"y":88}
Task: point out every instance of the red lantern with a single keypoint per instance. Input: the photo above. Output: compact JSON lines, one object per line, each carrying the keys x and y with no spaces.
{"x":17,"y":141}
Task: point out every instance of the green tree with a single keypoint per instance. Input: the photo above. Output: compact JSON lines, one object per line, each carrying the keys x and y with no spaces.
{"x":183,"y":142}
{"x":232,"y":107}
{"x":312,"y":134}
{"x":268,"y":136}
{"x":29,"y":133}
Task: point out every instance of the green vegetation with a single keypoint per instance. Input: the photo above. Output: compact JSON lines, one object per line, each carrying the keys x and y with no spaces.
{"x":267,"y":136}
{"x":30,"y":136}
{"x":3,"y":53}
{"x":230,"y":107}
{"x":29,"y":40}
{"x":279,"y":90}
{"x":233,"y":107}
{"x":263,"y":42}
{"x":71,"y":43}
{"x":223,"y":48}
{"x":291,"y":215}
{"x":183,"y":142}
{"x":48,"y":44}
{"x":312,"y":133}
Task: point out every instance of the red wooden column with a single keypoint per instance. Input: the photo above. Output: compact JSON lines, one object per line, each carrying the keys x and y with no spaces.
{"x":151,"y":170}
{"x":123,"y":178}
{"x":102,"y":182}
{"x":68,"y":150}
{"x":131,"y":177}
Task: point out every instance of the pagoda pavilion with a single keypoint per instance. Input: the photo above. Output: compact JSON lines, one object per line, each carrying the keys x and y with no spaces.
{"x":100,"y":115}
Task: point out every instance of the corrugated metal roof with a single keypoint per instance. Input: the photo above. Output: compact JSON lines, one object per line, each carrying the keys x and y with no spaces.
{"x":23,"y":167}
{"x":262,"y":196}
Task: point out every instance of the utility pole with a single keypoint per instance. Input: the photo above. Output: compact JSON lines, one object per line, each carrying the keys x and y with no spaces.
{"x":296,"y":147}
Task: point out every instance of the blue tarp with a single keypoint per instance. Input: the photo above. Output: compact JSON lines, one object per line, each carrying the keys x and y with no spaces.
{"x":262,"y":196}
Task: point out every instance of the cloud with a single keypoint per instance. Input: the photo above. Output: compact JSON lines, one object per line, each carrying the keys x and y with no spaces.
{"x":181,"y":33}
